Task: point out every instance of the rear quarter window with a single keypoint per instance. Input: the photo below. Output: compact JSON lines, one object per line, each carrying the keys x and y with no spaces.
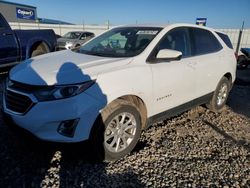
{"x":204,"y":42}
{"x":226,"y":39}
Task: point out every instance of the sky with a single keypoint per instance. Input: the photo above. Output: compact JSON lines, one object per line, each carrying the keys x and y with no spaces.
{"x":219,"y":13}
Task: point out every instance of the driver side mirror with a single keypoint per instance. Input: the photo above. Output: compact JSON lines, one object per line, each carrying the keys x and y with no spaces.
{"x":168,"y":55}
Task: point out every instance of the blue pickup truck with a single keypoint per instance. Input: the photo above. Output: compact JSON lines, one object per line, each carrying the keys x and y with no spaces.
{"x":18,"y":45}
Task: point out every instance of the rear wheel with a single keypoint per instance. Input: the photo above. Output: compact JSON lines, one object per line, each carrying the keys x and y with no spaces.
{"x":121,"y":130}
{"x":220,"y":95}
{"x":39,"y":50}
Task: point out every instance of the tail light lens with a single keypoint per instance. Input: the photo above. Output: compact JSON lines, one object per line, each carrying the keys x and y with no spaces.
{"x":236,"y":55}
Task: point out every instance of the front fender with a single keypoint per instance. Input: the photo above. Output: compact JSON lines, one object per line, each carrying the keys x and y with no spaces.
{"x":135,"y":81}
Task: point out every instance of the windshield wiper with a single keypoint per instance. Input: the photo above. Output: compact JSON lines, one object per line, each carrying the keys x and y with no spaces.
{"x":94,"y":53}
{"x":101,"y":54}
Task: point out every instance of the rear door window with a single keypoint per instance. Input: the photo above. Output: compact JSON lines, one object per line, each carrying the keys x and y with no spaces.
{"x":89,"y":34}
{"x":83,"y":36}
{"x":204,"y":42}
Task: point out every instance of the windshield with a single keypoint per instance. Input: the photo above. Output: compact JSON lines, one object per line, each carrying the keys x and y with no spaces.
{"x":72,"y":35}
{"x":121,"y":42}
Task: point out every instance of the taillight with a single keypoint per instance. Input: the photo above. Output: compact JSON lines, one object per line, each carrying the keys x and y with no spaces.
{"x":236,"y":55}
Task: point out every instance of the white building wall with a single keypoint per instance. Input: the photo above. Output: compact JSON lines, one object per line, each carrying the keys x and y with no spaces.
{"x":59,"y":28}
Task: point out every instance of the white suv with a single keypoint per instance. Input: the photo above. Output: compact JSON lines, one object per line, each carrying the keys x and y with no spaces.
{"x":118,"y":83}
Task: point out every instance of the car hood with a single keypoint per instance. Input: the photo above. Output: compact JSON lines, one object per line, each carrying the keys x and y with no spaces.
{"x":64,"y":67}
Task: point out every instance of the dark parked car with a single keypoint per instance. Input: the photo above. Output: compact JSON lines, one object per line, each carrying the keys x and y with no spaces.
{"x":73,"y":39}
{"x":18,"y":45}
{"x":58,"y":36}
{"x":243,"y":60}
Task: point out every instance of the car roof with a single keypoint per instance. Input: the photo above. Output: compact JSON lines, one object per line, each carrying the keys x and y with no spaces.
{"x":217,"y":31}
{"x":163,"y":26}
{"x":79,"y":32}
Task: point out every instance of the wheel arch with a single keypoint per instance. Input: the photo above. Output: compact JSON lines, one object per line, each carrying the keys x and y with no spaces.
{"x":139,"y":103}
{"x":97,"y":132}
{"x":228,"y":75}
{"x":35,"y":45}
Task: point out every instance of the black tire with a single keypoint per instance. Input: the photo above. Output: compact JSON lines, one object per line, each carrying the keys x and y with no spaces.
{"x":218,"y":100}
{"x":99,"y":132}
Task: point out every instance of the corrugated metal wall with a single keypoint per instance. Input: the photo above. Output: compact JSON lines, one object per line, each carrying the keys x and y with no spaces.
{"x":98,"y":29}
{"x":234,"y":35}
{"x":60,"y":29}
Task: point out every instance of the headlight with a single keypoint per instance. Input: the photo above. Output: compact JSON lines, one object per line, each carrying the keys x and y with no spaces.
{"x":61,"y":92}
{"x":68,"y":45}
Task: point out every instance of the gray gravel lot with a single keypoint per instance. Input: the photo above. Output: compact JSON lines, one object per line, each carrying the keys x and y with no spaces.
{"x":196,"y":149}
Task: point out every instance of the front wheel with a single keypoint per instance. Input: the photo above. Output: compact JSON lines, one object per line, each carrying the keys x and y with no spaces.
{"x":121,"y":130}
{"x":220,"y":95}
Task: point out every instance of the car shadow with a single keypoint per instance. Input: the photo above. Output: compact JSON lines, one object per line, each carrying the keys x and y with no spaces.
{"x":242,"y":143}
{"x":239,"y":100}
{"x":29,"y":162}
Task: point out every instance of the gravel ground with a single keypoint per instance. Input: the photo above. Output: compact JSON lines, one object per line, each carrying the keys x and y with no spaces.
{"x":196,"y":149}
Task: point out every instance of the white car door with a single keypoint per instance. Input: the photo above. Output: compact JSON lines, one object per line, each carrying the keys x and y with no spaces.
{"x":173,"y":81}
{"x":207,"y":61}
{"x":173,"y":84}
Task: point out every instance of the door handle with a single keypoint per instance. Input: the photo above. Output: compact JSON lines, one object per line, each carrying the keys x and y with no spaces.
{"x":192,"y":63}
{"x":7,"y":34}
